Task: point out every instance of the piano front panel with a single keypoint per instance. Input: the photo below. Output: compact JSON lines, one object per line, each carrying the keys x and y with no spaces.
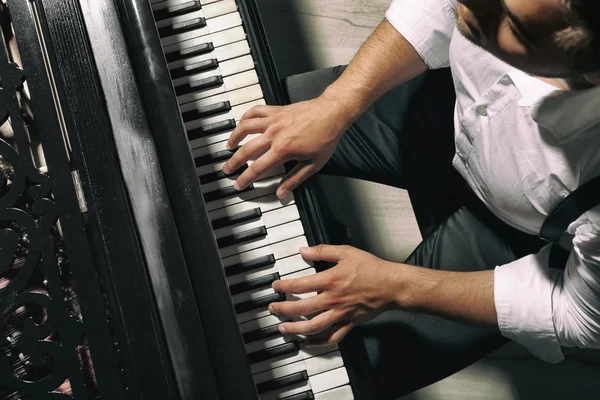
{"x":258,"y":235}
{"x":54,"y":325}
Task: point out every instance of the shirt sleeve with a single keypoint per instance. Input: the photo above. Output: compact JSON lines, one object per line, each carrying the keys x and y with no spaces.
{"x":428,"y":25}
{"x":545,"y":309}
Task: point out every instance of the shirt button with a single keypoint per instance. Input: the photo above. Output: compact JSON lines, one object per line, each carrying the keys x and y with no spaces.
{"x":481,"y":110}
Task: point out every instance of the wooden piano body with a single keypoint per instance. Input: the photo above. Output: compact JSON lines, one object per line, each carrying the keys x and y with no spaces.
{"x":112,"y":281}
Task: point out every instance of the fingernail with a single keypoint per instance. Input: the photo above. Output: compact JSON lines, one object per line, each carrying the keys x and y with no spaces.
{"x":225,"y":169}
{"x":304,"y":248}
{"x":236,"y":186}
{"x":271,"y":309}
{"x":281,"y":328}
{"x":282,"y":194}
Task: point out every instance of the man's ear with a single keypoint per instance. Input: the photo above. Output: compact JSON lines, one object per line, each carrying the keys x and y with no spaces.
{"x":593,"y":78}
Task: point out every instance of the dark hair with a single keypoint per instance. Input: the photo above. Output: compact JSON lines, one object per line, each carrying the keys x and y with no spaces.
{"x":582,"y":38}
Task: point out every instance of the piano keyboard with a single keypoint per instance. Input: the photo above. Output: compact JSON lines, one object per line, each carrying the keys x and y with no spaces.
{"x":258,"y":235}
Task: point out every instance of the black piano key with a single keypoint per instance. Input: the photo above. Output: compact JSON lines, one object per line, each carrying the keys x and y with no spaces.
{"x":254,"y":284}
{"x":178,"y":10}
{"x":189,"y":52}
{"x":217,"y":176}
{"x":212,"y":129}
{"x":224,"y":193}
{"x":250,"y":265}
{"x":182,"y":27}
{"x":308,"y":395}
{"x":238,"y":218}
{"x":199,"y":85}
{"x":208,"y":159}
{"x":261,"y":334}
{"x":242,"y":237}
{"x":282,"y":382}
{"x":273,"y":352}
{"x":195,"y":68}
{"x":259,"y":303}
{"x":206,"y":111}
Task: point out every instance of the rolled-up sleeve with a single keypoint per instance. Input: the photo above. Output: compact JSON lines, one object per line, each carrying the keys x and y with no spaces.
{"x":428,"y":25}
{"x":545,"y":309}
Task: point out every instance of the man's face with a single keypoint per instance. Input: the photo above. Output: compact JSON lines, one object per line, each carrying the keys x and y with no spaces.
{"x":519,"y":32}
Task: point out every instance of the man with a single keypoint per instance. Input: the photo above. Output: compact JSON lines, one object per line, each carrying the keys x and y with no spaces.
{"x":525,"y":133}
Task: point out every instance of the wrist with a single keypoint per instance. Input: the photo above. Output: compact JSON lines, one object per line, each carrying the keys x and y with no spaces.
{"x":347,"y":104}
{"x":416,"y":287}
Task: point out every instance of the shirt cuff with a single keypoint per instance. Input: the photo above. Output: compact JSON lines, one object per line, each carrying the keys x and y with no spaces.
{"x":523,"y":299}
{"x":427,"y":25}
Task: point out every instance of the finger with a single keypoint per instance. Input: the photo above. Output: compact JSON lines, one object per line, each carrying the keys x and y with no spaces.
{"x":294,"y":178}
{"x":332,"y":336}
{"x":245,"y":128}
{"x":249,"y":150}
{"x":306,"y":284}
{"x":299,"y":308}
{"x":310,"y":327}
{"x":324,"y":252}
{"x":258,"y":168}
{"x":259,"y":112}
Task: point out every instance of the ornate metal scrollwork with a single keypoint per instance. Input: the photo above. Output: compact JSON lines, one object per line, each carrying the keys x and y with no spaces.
{"x":43,"y":348}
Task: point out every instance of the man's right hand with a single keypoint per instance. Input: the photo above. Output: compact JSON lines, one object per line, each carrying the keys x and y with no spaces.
{"x":308,"y":132}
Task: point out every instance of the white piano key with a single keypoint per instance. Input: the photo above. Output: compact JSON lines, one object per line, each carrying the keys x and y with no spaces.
{"x":262,"y":292}
{"x":261,"y":188}
{"x":339,"y":393}
{"x":275,"y":235}
{"x":312,"y":366}
{"x":180,"y":18}
{"x":213,"y":25}
{"x":208,"y":140}
{"x":235,"y":98}
{"x":216,"y":9}
{"x":207,"y":169}
{"x":279,"y":251}
{"x":303,"y":354}
{"x":282,"y":267}
{"x":213,"y":148}
{"x":266,"y":204}
{"x":268,"y":343}
{"x":263,"y":312}
{"x":218,"y":40}
{"x":261,"y":323}
{"x":222,"y":54}
{"x":229,"y":181}
{"x":226,"y":68}
{"x":329,"y":380}
{"x":235,"y":113}
{"x":269,"y":220}
{"x":230,"y":83}
{"x":317,"y":384}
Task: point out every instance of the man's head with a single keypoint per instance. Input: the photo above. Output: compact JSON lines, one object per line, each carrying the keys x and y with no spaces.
{"x":552,"y":38}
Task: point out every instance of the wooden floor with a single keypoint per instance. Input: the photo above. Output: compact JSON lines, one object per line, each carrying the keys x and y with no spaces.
{"x":310,"y":34}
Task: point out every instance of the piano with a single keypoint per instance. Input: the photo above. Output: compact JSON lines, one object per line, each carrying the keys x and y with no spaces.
{"x":129,"y":267}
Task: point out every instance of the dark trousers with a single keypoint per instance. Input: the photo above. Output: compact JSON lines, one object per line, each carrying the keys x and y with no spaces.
{"x":406,"y":140}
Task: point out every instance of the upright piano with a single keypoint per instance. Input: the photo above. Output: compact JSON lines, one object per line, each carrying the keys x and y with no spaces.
{"x":129,"y":266}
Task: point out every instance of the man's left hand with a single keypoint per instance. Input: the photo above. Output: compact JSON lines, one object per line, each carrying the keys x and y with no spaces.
{"x":356,"y":290}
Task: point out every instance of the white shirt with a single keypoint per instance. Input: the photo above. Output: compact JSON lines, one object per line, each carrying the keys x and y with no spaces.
{"x":523,"y":146}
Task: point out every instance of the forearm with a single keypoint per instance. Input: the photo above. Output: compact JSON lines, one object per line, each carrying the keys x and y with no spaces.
{"x":384,"y":61}
{"x":462,"y":296}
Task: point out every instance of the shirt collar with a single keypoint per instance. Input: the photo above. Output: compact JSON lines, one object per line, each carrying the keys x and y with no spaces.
{"x":564,"y":113}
